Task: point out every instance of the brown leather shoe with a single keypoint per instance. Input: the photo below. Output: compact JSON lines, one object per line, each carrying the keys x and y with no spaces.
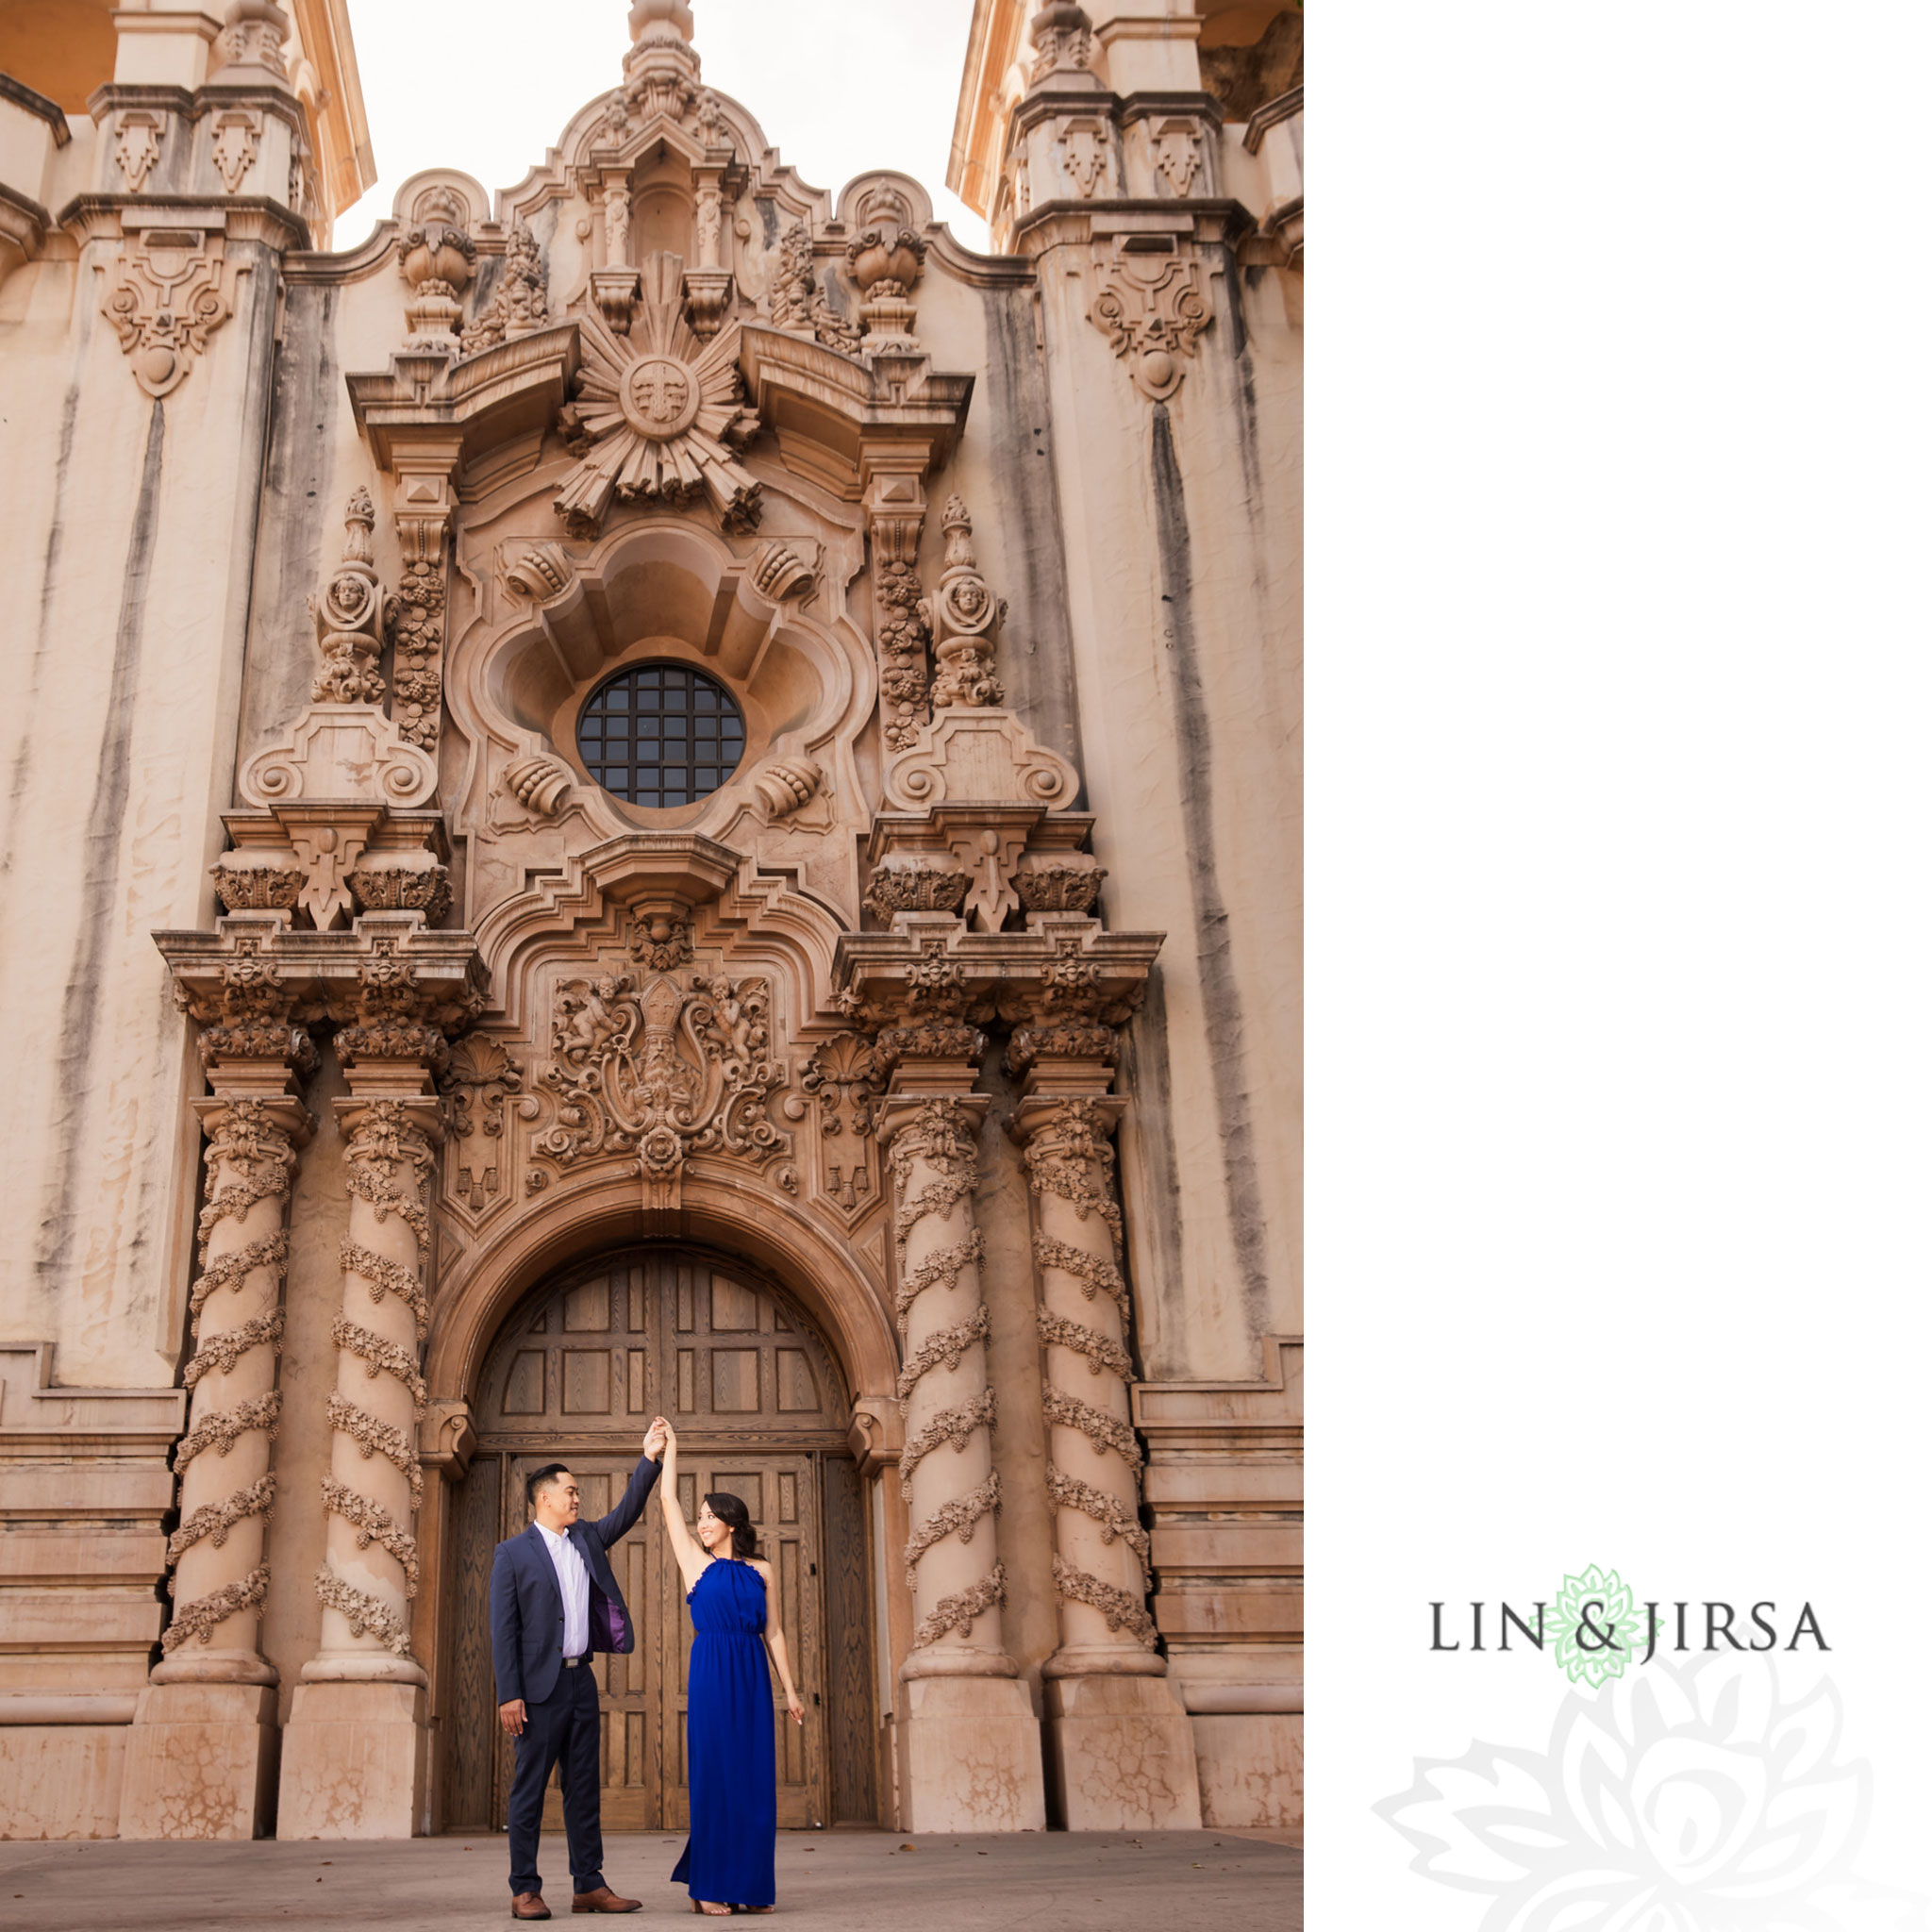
{"x":604,"y":1900}
{"x":528,"y":1904}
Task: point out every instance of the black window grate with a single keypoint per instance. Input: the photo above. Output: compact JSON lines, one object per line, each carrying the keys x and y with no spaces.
{"x":661,"y":735}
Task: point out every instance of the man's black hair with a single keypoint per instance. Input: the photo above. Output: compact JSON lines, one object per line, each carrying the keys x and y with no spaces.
{"x":537,"y":1477}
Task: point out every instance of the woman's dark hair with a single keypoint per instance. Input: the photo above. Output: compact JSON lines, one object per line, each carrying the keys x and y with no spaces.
{"x":731,"y":1513}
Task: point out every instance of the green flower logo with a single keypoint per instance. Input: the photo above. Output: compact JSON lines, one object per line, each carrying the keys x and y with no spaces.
{"x":1598,"y":1627}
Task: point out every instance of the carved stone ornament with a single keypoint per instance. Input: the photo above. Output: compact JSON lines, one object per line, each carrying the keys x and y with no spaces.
{"x":137,"y":147}
{"x":348,"y":616}
{"x":786,"y":785}
{"x":539,"y":571}
{"x":404,"y":880}
{"x":916,"y":885}
{"x":254,"y":35}
{"x":781,"y":571}
{"x":659,"y":413}
{"x":798,"y":303}
{"x":436,"y":259}
{"x":540,"y":782}
{"x":961,"y":615}
{"x":482,"y":1074}
{"x":1177,"y":155}
{"x":1062,"y":38}
{"x":1152,"y":308}
{"x":659,"y":1067}
{"x":235,"y":143}
{"x":1087,"y":146}
{"x":170,"y":292}
{"x":887,"y":259}
{"x":521,"y":304}
{"x":981,"y":757}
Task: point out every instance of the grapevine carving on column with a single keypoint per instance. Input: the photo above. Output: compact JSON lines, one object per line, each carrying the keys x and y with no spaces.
{"x":928,"y":1129}
{"x":895,"y":514}
{"x":424,"y":507}
{"x":391,"y":1049}
{"x":1065,"y":1054}
{"x":254,"y":1125}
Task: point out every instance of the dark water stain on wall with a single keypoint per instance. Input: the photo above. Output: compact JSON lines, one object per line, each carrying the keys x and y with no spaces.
{"x":107,"y":822}
{"x":1035,"y":645}
{"x":44,"y":632}
{"x":296,"y":518}
{"x":1160,"y":1215}
{"x":1220,"y":991}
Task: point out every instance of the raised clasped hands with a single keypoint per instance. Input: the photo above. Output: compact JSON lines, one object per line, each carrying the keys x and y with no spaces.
{"x":656,"y":1436}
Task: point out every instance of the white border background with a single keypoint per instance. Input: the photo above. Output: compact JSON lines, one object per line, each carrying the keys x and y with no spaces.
{"x":1621,"y":758}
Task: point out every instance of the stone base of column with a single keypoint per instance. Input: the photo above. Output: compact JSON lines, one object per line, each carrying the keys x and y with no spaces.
{"x":1119,"y":1751}
{"x":201,"y":1762}
{"x":969,"y":1756}
{"x":355,"y":1761}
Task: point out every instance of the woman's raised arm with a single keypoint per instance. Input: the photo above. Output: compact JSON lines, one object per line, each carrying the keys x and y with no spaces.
{"x":685,"y":1547}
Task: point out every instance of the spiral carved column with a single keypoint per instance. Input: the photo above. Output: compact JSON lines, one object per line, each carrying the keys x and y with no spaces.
{"x":1120,"y":1745}
{"x":969,"y":1741}
{"x":369,"y":1573}
{"x":355,"y":1755}
{"x":227,"y":1488}
{"x":945,"y":1470}
{"x":201,"y":1751}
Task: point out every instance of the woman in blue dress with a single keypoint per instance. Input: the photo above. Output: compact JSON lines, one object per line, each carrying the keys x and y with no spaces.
{"x":729,"y":1860}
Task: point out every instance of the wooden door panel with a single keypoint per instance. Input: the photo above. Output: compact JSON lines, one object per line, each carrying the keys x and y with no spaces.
{"x":759,"y":1406}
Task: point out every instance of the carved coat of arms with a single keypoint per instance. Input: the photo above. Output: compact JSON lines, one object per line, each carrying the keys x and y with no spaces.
{"x":660,"y":1066}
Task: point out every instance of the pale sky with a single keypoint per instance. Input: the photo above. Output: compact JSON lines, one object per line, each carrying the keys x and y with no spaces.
{"x":838,"y":86}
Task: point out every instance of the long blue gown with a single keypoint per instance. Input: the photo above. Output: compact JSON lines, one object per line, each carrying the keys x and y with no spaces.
{"x":730,"y":1857}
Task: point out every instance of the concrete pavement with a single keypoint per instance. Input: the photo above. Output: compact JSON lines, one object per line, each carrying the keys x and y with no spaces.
{"x":853,"y":1881}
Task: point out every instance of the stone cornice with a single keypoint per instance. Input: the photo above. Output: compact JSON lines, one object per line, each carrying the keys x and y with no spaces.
{"x":51,"y":112}
{"x":477,"y":401}
{"x":246,"y":218}
{"x":320,"y":974}
{"x":1060,"y":224}
{"x":1141,"y":106}
{"x":1271,"y":114}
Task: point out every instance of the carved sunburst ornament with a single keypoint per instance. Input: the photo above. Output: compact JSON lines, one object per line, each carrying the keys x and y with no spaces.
{"x":658,"y":413}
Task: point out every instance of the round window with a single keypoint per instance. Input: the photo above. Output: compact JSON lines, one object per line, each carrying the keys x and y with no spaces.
{"x":661,"y":735}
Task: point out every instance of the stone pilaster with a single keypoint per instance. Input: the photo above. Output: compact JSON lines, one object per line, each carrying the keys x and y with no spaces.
{"x":210,"y":1703}
{"x":1120,"y":1750}
{"x":355,"y":1753}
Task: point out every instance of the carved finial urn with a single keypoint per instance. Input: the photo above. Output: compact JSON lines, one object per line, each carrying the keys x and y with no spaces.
{"x":436,"y":259}
{"x":886,"y":259}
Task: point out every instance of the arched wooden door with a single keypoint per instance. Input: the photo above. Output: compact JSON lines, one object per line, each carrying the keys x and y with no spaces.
{"x":759,"y":1408}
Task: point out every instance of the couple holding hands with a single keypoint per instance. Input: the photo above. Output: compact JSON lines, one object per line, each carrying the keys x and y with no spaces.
{"x":554,"y":1601}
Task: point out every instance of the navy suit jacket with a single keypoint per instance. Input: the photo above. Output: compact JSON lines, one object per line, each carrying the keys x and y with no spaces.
{"x":527,"y":1606}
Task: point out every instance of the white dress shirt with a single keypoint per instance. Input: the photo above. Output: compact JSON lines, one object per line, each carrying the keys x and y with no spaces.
{"x":574,"y":1586}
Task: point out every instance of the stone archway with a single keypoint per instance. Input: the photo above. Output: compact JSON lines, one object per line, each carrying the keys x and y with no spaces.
{"x":575,"y":1374}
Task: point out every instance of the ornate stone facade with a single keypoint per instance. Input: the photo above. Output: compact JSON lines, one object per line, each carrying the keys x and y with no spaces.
{"x":915,"y":936}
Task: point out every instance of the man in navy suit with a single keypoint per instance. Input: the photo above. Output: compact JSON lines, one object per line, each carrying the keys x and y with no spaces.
{"x":553,"y":1600}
